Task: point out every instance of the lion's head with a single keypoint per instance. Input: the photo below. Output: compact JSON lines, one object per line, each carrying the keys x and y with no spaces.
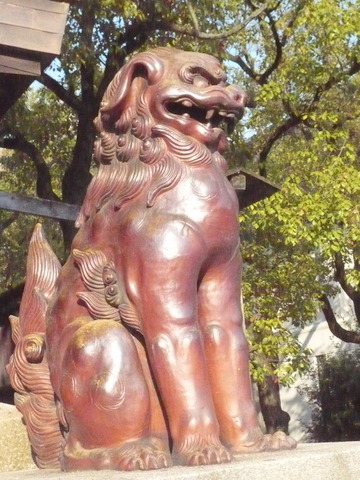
{"x":166,"y":110}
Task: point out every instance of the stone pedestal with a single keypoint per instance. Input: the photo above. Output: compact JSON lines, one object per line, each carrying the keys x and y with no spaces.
{"x":330,"y":461}
{"x":15,"y":452}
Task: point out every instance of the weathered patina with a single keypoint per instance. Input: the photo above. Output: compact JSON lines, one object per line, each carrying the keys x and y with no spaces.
{"x":142,"y":332}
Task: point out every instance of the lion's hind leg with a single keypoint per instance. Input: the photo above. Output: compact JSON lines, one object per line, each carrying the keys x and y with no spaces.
{"x":106,"y":402}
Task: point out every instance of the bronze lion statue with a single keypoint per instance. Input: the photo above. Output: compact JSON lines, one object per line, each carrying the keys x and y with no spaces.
{"x":133,"y":354}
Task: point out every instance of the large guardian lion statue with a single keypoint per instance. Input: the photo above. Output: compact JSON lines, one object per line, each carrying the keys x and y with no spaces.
{"x":133,"y":354}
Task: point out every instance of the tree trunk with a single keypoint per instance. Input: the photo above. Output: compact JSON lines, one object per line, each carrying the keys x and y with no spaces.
{"x":348,"y":336}
{"x":77,"y":176}
{"x":275,"y":418}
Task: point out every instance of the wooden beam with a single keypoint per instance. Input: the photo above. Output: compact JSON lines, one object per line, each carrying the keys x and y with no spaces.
{"x":38,"y":207}
{"x":29,"y":39}
{"x":19,"y":66}
{"x":47,"y":5}
{"x":25,"y":14}
{"x":35,"y":25}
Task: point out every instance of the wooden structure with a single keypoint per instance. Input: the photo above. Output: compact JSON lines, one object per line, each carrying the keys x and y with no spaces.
{"x":39,"y":207}
{"x":31,"y":33}
{"x":250,"y":188}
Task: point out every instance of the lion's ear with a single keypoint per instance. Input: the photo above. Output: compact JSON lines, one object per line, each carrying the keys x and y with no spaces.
{"x":146,"y":65}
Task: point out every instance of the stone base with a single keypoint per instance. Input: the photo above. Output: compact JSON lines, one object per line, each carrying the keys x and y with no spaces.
{"x":324,"y":461}
{"x":15,"y":451}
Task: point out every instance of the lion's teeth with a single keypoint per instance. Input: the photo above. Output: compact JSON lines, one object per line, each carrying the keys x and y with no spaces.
{"x":223,"y":113}
{"x":186,"y":115}
{"x":209,"y":114}
{"x":187,"y":103}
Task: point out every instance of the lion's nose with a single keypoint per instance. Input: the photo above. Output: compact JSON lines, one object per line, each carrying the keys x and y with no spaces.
{"x":237,"y":95}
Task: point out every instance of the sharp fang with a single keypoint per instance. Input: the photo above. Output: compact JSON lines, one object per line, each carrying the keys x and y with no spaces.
{"x":186,"y":103}
{"x":209,"y":114}
{"x":223,"y":113}
{"x":186,"y":115}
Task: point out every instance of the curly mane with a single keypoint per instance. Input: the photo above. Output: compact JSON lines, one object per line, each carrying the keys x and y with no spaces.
{"x":133,"y":152}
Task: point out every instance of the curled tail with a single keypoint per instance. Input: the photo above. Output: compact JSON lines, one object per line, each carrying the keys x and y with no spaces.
{"x":28,"y":366}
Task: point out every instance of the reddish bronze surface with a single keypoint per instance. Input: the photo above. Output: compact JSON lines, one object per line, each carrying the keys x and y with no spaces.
{"x":145,"y":338}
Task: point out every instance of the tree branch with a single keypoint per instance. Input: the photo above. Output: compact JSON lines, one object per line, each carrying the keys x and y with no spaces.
{"x":292,"y":20}
{"x":193,"y":16}
{"x":336,"y":329}
{"x":67,"y":97}
{"x":244,"y":66}
{"x":192,"y":32}
{"x":6,"y":223}
{"x":278,"y":51}
{"x":354,"y":68}
{"x":43,"y":182}
{"x":295,"y":119}
{"x":340,"y":275}
{"x":280,"y":131}
{"x":262,"y":78}
{"x":87,"y":68}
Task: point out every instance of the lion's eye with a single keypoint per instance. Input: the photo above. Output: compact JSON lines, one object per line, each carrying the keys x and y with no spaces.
{"x":200,"y":81}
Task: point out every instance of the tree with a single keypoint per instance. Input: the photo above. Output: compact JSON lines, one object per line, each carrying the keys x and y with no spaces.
{"x":313,"y":151}
{"x":334,"y":396}
{"x":302,"y":244}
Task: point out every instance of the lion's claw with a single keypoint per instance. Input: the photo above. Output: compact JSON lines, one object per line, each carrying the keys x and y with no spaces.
{"x":256,"y":441}
{"x":202,"y":452}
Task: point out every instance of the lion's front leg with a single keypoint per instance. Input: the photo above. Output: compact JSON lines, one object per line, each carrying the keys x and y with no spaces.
{"x":177,"y":357}
{"x":227,"y":354}
{"x":168,"y":292}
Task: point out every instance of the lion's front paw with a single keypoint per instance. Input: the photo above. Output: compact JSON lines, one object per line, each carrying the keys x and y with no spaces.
{"x":136,"y":456}
{"x":201,"y":451}
{"x":256,"y":441}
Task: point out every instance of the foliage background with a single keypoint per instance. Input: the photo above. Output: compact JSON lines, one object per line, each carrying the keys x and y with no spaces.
{"x":333,"y":393}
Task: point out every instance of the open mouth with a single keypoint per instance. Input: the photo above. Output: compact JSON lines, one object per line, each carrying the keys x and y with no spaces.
{"x":211,"y":118}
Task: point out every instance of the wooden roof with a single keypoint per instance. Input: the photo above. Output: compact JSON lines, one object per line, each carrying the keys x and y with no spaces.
{"x":31,"y":34}
{"x":250,"y":187}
